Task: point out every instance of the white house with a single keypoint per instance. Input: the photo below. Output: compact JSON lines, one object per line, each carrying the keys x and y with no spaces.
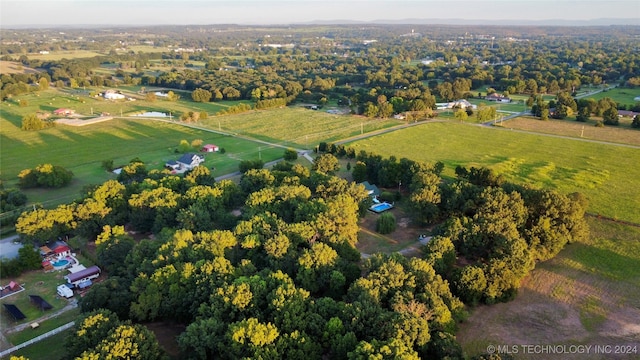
{"x":83,"y":275}
{"x":189,"y":161}
{"x":112,"y":95}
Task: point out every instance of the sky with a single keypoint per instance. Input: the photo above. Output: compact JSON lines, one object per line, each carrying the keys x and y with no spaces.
{"x":20,"y":13}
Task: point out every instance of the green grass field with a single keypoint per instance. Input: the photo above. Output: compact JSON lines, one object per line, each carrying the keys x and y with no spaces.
{"x":297,"y":126}
{"x":619,"y":95}
{"x":50,"y":348}
{"x":606,"y":174}
{"x":82,"y":149}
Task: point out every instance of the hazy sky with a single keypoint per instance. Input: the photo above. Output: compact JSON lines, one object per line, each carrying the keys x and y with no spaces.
{"x":144,"y":12}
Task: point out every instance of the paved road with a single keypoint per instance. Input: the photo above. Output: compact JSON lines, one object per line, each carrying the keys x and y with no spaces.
{"x":9,"y":250}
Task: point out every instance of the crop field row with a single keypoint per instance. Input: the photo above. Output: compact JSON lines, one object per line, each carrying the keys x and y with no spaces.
{"x":605,"y":173}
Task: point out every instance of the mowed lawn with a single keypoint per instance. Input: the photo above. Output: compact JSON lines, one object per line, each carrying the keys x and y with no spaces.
{"x":587,"y":295}
{"x":620,"y":95}
{"x":606,"y":174}
{"x":296,"y":126}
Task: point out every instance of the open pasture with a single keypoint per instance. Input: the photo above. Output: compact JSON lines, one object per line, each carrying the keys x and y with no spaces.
{"x":12,"y":67}
{"x":82,"y":150}
{"x":617,"y":134}
{"x":64,"y":54}
{"x":605,"y":173}
{"x":620,"y":95}
{"x":296,"y":126}
{"x":587,"y":295}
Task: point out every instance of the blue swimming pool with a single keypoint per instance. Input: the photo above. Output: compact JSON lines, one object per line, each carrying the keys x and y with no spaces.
{"x":378,"y":208}
{"x":60,"y":263}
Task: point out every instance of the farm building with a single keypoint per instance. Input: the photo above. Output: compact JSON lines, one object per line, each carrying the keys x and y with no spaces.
{"x":112,"y":95}
{"x":497,"y":98}
{"x":461,"y":104}
{"x":210,"y":148}
{"x":63,"y":112}
{"x":189,"y":161}
{"x":83,"y":275}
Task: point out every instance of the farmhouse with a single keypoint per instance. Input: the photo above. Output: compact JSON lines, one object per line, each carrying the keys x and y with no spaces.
{"x":210,"y":148}
{"x":498,"y":98}
{"x":112,"y":95}
{"x":63,"y":112}
{"x":186,"y":162}
{"x":458,"y":104}
{"x":83,"y":275}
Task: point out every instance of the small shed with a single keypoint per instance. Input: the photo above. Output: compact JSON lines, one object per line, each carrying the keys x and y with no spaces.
{"x":210,"y":148}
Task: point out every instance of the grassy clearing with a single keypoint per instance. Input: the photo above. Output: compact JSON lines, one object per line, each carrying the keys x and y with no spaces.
{"x":45,"y":326}
{"x":589,"y":294}
{"x":622,"y":134}
{"x":64,"y":54}
{"x":619,"y":95}
{"x":35,"y":282}
{"x":296,"y":126}
{"x":12,"y":67}
{"x":606,"y":174}
{"x":50,"y":348}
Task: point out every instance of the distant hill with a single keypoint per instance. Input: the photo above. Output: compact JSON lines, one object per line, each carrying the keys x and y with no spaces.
{"x":551,"y":22}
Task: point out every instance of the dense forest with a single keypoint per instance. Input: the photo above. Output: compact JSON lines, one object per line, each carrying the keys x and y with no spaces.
{"x":267,"y":268}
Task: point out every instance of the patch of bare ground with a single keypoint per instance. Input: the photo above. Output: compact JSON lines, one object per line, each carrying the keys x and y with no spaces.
{"x":559,"y":304}
{"x":622,"y":134}
{"x":167,"y":335}
{"x":404,"y":239}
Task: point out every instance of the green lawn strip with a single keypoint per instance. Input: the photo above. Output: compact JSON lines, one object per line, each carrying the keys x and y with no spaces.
{"x":28,"y":333}
{"x":51,"y":348}
{"x":604,"y":173}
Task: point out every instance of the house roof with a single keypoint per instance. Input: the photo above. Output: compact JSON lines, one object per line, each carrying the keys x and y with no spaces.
{"x":371,"y":189}
{"x":188,"y":158}
{"x":61,"y":249}
{"x":210,"y":146}
{"x":83,"y":273}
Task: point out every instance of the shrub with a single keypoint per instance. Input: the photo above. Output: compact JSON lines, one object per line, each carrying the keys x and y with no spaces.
{"x":599,"y":123}
{"x":45,"y":175}
{"x":387,"y":196}
{"x":290,"y":155}
{"x":386,"y":223}
{"x":107,"y":165}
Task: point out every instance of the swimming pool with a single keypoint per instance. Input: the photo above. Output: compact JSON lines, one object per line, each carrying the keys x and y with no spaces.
{"x":60,"y":263}
{"x":378,"y":208}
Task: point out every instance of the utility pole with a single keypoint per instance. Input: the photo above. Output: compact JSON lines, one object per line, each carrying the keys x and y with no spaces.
{"x":582,"y":132}
{"x":361,"y":128}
